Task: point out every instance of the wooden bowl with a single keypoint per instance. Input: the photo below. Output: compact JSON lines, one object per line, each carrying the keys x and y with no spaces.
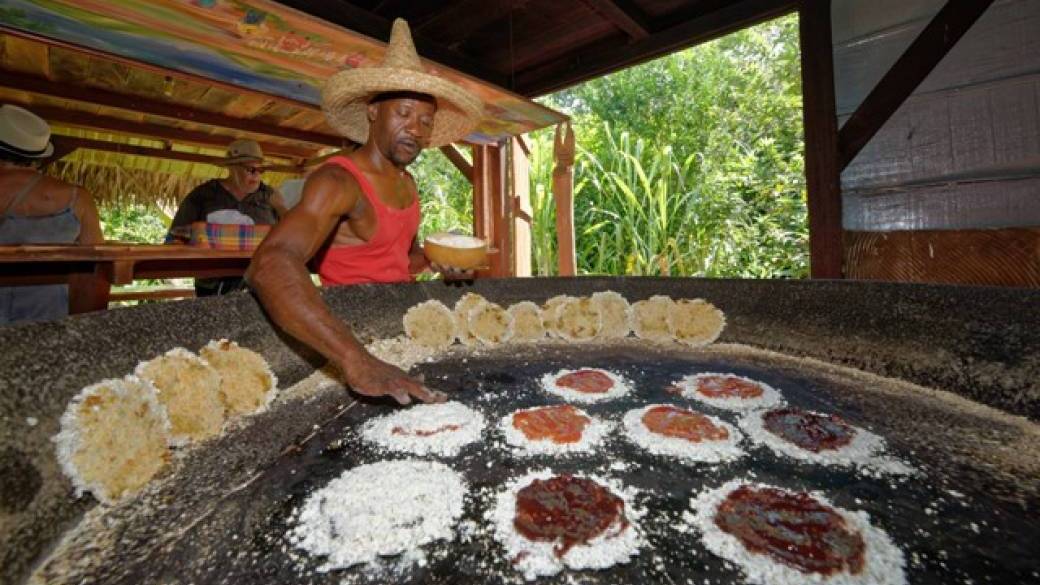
{"x":455,"y":251}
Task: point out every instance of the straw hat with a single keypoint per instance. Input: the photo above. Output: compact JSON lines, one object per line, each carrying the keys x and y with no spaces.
{"x":346,"y":94}
{"x":24,"y":133}
{"x":243,"y":151}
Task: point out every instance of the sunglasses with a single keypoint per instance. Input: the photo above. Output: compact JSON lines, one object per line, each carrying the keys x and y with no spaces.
{"x":253,"y":170}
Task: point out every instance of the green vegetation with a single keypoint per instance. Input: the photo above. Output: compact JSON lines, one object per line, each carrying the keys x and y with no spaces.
{"x":133,"y":223}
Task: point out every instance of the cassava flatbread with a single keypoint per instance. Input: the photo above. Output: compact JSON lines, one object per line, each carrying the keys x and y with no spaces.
{"x":578,"y":320}
{"x":490,"y":324}
{"x":114,"y":438}
{"x":616,"y":314}
{"x":650,"y":318}
{"x":431,"y":324}
{"x":425,"y":429}
{"x":549,"y":313}
{"x":463,"y":306}
{"x":247,"y":384}
{"x":695,"y":322}
{"x":527,"y":322}
{"x":189,"y":388}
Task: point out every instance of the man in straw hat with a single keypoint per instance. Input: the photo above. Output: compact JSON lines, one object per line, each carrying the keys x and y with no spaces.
{"x":359,"y":215}
{"x":241,"y":197}
{"x":37,"y":209}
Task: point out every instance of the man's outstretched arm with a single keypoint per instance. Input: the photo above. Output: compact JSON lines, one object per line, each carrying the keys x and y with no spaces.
{"x":278,"y":274}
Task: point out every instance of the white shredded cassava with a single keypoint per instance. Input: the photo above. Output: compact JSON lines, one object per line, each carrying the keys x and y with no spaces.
{"x":883,"y":561}
{"x":537,"y":558}
{"x":379,"y":509}
{"x":619,"y":389}
{"x":426,"y":418}
{"x":706,"y":451}
{"x":592,"y":436}
{"x":770,"y":396}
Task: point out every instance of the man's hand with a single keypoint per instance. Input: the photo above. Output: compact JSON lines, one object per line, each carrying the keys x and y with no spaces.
{"x":453,"y":276}
{"x":372,"y":377}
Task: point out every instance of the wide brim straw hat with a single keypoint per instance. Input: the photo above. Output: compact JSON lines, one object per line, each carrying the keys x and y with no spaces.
{"x":243,"y":151}
{"x":346,"y":95}
{"x":23,"y":133}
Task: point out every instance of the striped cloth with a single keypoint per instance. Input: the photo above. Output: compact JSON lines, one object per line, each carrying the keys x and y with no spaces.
{"x":221,"y":236}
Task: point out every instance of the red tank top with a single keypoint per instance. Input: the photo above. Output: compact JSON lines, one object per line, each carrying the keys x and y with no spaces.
{"x":384,"y":257}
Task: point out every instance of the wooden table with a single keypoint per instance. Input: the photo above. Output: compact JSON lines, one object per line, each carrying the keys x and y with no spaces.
{"x":94,"y":269}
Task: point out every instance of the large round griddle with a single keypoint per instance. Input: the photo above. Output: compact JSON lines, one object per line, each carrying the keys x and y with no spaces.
{"x":955,"y":522}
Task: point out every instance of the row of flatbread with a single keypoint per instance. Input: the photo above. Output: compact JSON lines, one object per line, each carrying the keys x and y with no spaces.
{"x":601,"y":317}
{"x":116,"y":434}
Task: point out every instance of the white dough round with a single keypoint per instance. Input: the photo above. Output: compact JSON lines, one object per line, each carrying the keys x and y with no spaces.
{"x":695,"y":322}
{"x":426,"y":429}
{"x":533,"y":558}
{"x":463,"y":306}
{"x":549,"y":313}
{"x":431,"y":324}
{"x":527,"y":322}
{"x":650,"y":318}
{"x":578,"y":320}
{"x":619,"y":388}
{"x":866,"y":449}
{"x":592,"y":435}
{"x":616,"y":314}
{"x":706,"y":451}
{"x":490,"y":324}
{"x":247,"y":384}
{"x":378,"y":510}
{"x":189,"y":388}
{"x":884,"y":563}
{"x":770,"y":397}
{"x":114,"y":438}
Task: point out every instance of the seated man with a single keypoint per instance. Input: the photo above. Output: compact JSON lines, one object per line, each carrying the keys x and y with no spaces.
{"x":241,"y":197}
{"x":37,"y":209}
{"x":359,"y":214}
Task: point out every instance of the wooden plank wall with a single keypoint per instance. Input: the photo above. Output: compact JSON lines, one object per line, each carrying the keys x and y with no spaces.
{"x":963,"y":152}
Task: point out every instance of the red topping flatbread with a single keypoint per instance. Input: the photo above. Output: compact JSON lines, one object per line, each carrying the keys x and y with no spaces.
{"x":586,"y":381}
{"x":809,"y":430}
{"x":560,"y":424}
{"x":568,"y":510}
{"x":792,"y":528}
{"x":672,"y":421}
{"x":727,"y":387}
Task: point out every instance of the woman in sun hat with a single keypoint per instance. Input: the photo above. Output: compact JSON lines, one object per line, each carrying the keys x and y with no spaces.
{"x":239,"y":198}
{"x":37,"y":209}
{"x":359,"y":214}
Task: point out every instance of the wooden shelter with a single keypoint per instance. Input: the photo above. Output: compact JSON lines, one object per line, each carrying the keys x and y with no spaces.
{"x":920,"y":166}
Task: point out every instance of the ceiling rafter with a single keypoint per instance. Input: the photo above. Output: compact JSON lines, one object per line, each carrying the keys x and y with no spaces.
{"x":624,"y":14}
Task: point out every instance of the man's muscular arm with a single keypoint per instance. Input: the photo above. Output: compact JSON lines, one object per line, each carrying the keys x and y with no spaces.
{"x":280,"y":278}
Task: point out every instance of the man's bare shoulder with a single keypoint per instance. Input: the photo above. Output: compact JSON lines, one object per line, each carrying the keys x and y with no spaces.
{"x":332,"y":184}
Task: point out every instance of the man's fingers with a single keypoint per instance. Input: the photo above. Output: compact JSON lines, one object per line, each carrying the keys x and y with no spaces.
{"x":401,"y":396}
{"x":425,"y":394}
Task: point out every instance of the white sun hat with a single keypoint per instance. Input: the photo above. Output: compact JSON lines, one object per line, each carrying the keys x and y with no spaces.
{"x":24,"y":133}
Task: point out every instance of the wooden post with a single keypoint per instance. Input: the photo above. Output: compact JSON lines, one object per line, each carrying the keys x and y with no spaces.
{"x":520,"y":190}
{"x":822,"y":159}
{"x":501,"y":263}
{"x":563,"y":194}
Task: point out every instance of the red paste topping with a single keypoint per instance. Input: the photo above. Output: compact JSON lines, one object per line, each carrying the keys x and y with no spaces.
{"x":422,"y":433}
{"x":808,"y":430}
{"x":671,"y":421}
{"x":727,"y":387}
{"x":586,"y":381}
{"x":559,"y":424}
{"x":568,"y":510}
{"x":792,"y":528}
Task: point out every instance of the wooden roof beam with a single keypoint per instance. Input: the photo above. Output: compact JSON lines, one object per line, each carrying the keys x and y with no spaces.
{"x":65,"y":143}
{"x":624,"y":14}
{"x":920,"y":58}
{"x":598,"y":59}
{"x":368,"y":23}
{"x":81,"y":119}
{"x":102,"y":97}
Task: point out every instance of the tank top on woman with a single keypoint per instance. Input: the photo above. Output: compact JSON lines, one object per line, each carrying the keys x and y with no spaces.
{"x":36,"y":302}
{"x":384,"y":257}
